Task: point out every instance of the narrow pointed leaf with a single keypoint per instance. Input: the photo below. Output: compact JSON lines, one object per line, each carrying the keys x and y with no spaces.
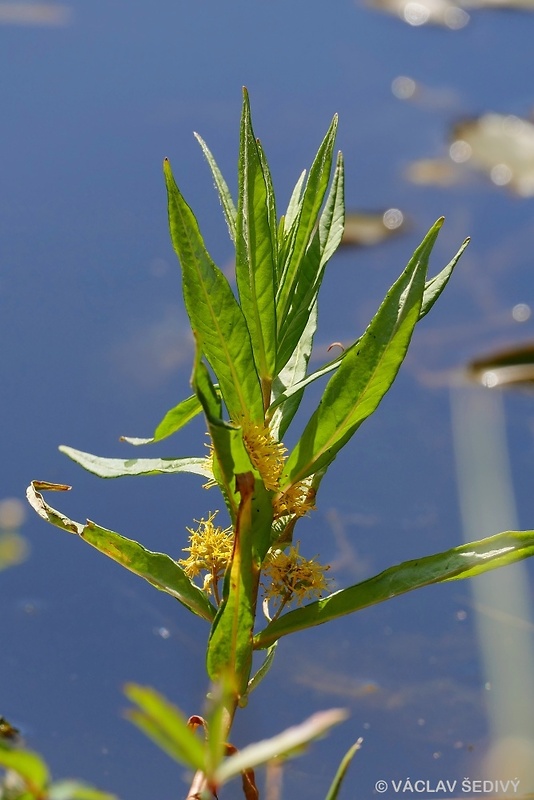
{"x":214,"y":312}
{"x":120,"y":467}
{"x":255,"y":248}
{"x":436,"y":285}
{"x":173,"y":421}
{"x":158,"y":569}
{"x":465,"y":561}
{"x":284,"y":745}
{"x":333,"y":792}
{"x":294,"y":204}
{"x":307,"y":282}
{"x":282,"y":411}
{"x":301,"y":232}
{"x":263,"y":670}
{"x":225,"y":196}
{"x":433,"y":289}
{"x":165,"y":724}
{"x":365,"y":373}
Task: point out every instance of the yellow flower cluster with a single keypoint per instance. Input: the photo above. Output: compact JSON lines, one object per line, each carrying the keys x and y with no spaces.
{"x":210,"y":551}
{"x":293,"y":577}
{"x":268,"y":456}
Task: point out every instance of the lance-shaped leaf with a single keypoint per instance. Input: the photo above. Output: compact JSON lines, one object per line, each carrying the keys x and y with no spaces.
{"x":335,"y":787}
{"x":165,"y":724}
{"x":214,"y":312}
{"x":158,"y":569}
{"x":289,"y":743}
{"x":304,"y":224}
{"x":465,"y":561}
{"x":173,"y":421}
{"x":435,"y":286}
{"x":293,"y":208}
{"x":256,"y":249}
{"x":295,"y":386}
{"x":365,"y":373}
{"x":230,"y":644}
{"x":120,"y":467}
{"x":225,"y":196}
{"x":308,"y":279}
{"x":281,"y":412}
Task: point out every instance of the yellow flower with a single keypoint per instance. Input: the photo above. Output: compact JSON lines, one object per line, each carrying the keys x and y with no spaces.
{"x":266,"y":454}
{"x":293,"y":577}
{"x":268,"y":457}
{"x":210,"y":551}
{"x":297,"y":500}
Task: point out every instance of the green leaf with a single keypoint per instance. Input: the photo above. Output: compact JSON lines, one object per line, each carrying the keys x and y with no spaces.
{"x":283,"y":409}
{"x":225,"y":197}
{"x":284,"y":745}
{"x":120,"y":467}
{"x":158,"y":569}
{"x":435,"y":286}
{"x":256,"y":250}
{"x":173,"y":421}
{"x":28,"y":765}
{"x":165,"y":724}
{"x":230,"y":455}
{"x":307,"y":281}
{"x":75,"y":790}
{"x":335,"y":787}
{"x":230,"y":644}
{"x":303,"y":227}
{"x":294,"y":205}
{"x":257,"y":678}
{"x":455,"y":564}
{"x":365,"y":373}
{"x":433,"y":289}
{"x":214,"y":312}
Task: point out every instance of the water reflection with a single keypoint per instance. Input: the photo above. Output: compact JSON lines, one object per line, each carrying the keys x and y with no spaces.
{"x":13,"y":547}
{"x":512,"y":366}
{"x":366,"y":229}
{"x":425,"y":12}
{"x":499,"y":145}
{"x":40,"y":14}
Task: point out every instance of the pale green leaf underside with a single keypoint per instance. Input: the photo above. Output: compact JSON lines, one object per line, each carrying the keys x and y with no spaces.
{"x":173,"y":421}
{"x":283,"y":745}
{"x":225,"y":196}
{"x":120,"y":467}
{"x":158,"y":569}
{"x":461,"y":562}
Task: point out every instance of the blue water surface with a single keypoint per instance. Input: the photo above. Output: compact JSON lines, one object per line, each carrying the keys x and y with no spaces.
{"x":95,"y":344}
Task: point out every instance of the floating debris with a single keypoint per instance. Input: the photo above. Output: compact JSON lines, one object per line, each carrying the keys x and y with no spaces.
{"x":509,"y":367}
{"x":45,"y":14}
{"x":500,"y":145}
{"x":364,"y":229}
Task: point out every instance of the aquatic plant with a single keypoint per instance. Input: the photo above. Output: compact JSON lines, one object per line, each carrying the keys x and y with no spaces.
{"x":247,"y":579}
